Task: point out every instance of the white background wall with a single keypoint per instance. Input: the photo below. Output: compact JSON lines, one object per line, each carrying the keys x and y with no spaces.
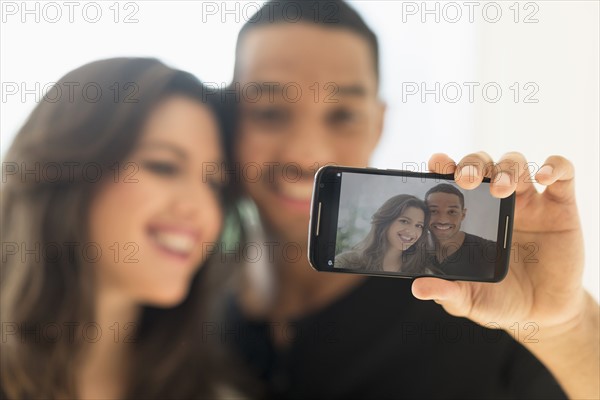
{"x":558,"y":55}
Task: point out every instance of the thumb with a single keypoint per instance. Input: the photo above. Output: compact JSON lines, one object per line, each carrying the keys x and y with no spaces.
{"x":453,"y":296}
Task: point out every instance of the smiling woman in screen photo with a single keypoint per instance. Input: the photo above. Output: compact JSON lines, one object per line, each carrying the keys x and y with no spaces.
{"x":396,"y":242}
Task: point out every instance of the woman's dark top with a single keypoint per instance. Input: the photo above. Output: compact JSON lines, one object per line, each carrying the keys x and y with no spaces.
{"x":353,"y":259}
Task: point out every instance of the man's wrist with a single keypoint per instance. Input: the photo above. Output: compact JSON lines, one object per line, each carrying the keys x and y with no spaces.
{"x":583,"y":322}
{"x":571,"y":351}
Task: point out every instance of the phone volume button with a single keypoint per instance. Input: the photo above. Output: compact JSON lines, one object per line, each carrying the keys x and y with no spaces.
{"x":318,"y":227}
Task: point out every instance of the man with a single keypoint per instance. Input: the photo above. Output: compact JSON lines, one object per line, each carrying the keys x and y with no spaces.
{"x":457,"y":253}
{"x":349,"y":336}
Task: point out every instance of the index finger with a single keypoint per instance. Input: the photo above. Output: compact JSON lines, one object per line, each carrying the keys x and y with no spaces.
{"x":472,"y":169}
{"x":441,"y":163}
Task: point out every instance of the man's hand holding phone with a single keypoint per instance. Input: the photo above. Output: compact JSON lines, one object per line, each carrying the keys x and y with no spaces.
{"x":545,"y":291}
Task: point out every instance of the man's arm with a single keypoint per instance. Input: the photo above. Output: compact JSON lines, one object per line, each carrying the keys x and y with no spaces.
{"x":544,"y":291}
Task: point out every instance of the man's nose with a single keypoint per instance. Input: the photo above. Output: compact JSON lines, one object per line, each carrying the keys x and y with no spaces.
{"x":309,"y":146}
{"x":440,"y":219}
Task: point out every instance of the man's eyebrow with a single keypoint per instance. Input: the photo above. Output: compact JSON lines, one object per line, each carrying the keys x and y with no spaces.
{"x":436,"y":206}
{"x":263,"y":85}
{"x":329,"y":88}
{"x":178,"y":151}
{"x":350,"y":90}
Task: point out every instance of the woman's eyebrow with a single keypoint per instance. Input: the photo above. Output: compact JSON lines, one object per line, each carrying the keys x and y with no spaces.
{"x":159,"y":145}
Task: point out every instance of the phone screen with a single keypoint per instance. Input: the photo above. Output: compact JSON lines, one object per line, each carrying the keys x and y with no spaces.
{"x":415,"y":226}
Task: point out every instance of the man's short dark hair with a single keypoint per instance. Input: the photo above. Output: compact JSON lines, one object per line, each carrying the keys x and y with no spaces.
{"x":447,"y":188}
{"x":325,"y":13}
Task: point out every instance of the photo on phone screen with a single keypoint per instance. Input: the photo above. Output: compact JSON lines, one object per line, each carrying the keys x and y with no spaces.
{"x":408,"y":224}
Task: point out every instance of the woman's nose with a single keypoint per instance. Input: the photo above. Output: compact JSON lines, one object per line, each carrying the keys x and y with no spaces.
{"x":409,"y":230}
{"x":187,"y":201}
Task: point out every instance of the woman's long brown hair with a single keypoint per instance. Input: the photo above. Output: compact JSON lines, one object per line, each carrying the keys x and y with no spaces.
{"x":49,"y":287}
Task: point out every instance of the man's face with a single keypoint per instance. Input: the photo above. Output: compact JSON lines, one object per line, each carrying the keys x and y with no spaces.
{"x":446,"y":215}
{"x":318,"y":105}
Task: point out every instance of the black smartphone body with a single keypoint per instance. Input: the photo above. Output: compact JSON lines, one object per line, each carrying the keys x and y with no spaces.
{"x":408,"y":224}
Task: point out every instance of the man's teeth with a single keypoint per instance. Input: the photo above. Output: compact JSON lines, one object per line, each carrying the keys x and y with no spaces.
{"x":442,"y":227}
{"x":297,"y":191}
{"x":176,"y":242}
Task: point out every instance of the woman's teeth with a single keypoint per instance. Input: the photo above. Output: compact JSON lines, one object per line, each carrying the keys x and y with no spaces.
{"x":406,"y":238}
{"x":176,"y":242}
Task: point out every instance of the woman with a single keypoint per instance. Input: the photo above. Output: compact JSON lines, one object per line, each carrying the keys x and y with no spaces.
{"x":120,"y":215}
{"x":397,"y":241}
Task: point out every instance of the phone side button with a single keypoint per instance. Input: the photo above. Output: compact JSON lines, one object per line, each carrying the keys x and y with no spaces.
{"x":318,"y":220}
{"x":505,"y":231}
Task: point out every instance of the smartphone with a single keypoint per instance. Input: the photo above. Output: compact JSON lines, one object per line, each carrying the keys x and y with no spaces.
{"x":408,"y":224}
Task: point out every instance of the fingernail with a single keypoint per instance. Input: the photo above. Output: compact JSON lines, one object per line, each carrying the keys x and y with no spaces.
{"x":546,"y":170}
{"x":469,"y":171}
{"x":503,"y":179}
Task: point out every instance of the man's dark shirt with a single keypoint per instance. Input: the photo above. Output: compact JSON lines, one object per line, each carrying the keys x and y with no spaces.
{"x":378,"y":341}
{"x":476,"y":257}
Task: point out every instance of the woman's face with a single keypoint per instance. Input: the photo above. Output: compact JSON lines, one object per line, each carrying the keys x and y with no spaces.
{"x":406,"y":229}
{"x":154,"y":221}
